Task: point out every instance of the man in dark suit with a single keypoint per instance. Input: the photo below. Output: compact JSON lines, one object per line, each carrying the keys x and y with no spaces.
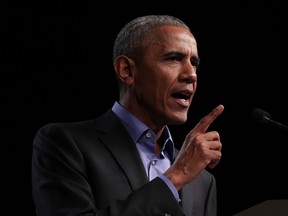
{"x":124,"y":162}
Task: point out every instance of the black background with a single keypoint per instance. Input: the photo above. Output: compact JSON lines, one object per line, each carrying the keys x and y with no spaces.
{"x":57,"y":66}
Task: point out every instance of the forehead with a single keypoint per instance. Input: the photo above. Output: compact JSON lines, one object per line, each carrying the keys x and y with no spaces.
{"x":173,"y":37}
{"x":170,"y":30}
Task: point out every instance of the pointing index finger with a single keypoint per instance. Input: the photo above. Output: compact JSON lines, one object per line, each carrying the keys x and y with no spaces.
{"x":205,"y":122}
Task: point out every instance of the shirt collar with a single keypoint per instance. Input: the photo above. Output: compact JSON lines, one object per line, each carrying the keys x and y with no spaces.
{"x":136,"y":128}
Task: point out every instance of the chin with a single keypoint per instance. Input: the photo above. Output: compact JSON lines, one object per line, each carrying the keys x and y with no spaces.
{"x":178,"y":119}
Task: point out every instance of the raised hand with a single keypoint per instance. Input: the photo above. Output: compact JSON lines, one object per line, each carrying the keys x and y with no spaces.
{"x":199,"y":150}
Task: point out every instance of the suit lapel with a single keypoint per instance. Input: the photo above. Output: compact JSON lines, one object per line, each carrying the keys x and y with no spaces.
{"x":119,"y":142}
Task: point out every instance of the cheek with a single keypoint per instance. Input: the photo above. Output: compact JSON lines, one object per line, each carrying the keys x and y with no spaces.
{"x":164,"y":90}
{"x":156,"y":83}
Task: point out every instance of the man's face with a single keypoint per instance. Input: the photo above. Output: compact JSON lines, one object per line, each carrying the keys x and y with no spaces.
{"x":165,"y":77}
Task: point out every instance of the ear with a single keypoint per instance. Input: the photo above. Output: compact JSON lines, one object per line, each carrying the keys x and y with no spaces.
{"x":123,"y":67}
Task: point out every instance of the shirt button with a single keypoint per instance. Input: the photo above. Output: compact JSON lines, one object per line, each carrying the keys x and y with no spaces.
{"x":148,"y":135}
{"x":154,"y":162}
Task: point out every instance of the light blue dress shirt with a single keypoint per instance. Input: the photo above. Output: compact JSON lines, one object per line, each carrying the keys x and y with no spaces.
{"x":145,"y":139}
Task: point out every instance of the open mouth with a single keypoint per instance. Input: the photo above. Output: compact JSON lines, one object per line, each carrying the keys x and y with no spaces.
{"x":184,"y":95}
{"x":182,"y":98}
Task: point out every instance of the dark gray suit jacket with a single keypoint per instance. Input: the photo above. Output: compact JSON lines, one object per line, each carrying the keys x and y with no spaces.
{"x":93,"y":168}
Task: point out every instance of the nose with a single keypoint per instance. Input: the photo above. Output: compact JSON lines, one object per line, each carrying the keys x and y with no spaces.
{"x":188,"y":75}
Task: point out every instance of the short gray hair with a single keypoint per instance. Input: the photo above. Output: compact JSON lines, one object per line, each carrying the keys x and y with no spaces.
{"x":135,"y":33}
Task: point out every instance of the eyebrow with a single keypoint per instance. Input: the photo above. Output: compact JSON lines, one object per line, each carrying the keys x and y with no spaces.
{"x":195,"y":59}
{"x":181,"y":54}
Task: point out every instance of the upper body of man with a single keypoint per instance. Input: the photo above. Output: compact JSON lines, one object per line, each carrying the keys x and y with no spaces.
{"x":124,"y":162}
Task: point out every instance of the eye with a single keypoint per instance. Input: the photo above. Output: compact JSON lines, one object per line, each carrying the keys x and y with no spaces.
{"x":195,"y":61}
{"x":175,"y":56}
